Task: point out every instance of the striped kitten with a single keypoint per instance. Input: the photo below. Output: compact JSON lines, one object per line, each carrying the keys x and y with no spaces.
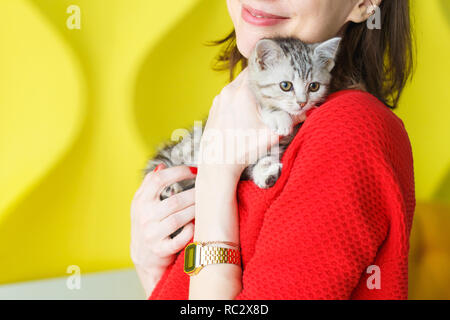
{"x":288,"y":77}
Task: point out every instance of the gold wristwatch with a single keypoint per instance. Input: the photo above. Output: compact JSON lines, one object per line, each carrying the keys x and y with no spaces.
{"x":200,"y":254}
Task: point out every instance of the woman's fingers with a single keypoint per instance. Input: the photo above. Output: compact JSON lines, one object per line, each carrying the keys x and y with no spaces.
{"x":172,"y":246}
{"x":154,"y":184}
{"x":241,"y":77}
{"x":175,"y":221}
{"x":147,"y":177}
{"x":174,"y":203}
{"x":244,"y":74}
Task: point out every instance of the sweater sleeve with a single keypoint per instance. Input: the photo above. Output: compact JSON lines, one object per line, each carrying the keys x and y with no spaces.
{"x":325,"y":227}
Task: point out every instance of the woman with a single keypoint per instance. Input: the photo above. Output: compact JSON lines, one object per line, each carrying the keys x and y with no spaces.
{"x":336,"y":224}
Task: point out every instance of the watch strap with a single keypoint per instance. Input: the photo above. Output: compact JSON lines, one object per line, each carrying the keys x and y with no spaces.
{"x":217,"y":254}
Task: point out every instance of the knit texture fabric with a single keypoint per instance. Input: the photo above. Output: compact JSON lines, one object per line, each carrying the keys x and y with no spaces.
{"x":344,"y":203}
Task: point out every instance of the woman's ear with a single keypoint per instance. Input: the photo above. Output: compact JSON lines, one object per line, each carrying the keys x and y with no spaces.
{"x":362,"y":10}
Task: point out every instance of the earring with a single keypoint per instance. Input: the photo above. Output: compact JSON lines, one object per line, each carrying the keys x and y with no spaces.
{"x":373,"y":10}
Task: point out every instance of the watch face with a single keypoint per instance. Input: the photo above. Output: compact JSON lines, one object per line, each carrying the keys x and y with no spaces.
{"x":189,"y":257}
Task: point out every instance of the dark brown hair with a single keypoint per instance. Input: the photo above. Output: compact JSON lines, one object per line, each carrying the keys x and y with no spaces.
{"x":379,"y":61}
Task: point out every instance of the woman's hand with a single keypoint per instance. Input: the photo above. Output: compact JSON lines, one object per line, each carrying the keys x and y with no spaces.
{"x":235,"y":115}
{"x":153,"y":220}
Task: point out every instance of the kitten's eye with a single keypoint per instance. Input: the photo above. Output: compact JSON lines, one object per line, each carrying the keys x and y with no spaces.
{"x":314,"y":86}
{"x":286,"y":86}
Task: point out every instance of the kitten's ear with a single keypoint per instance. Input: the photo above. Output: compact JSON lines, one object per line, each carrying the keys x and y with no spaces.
{"x":326,"y":51}
{"x":267,"y":52}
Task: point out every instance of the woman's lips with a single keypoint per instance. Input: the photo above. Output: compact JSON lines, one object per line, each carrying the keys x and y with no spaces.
{"x":260,"y":18}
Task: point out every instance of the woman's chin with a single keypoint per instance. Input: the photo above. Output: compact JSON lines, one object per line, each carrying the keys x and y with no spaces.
{"x":247,"y":36}
{"x":246,"y":41}
{"x":243,"y":48}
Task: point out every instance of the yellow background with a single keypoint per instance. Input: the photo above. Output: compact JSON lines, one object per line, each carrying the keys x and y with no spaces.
{"x":82,"y":110}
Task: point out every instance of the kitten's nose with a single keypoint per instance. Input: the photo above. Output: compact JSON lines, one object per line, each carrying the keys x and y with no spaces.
{"x":302,"y":104}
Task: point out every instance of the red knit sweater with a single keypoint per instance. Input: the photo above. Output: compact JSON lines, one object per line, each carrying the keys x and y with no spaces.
{"x":344,"y":201}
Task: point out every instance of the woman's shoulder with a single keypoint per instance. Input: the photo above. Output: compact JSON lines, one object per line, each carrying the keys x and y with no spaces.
{"x":350,"y":129}
{"x":354,"y":113}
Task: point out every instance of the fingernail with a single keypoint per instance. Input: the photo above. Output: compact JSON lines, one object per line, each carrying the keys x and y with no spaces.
{"x":158,"y":167}
{"x":193,"y":170}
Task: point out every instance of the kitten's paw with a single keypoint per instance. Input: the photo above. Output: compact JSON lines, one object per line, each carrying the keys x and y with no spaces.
{"x":170,"y":191}
{"x":280,"y":122}
{"x":266,"y":172}
{"x":283,"y":131}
